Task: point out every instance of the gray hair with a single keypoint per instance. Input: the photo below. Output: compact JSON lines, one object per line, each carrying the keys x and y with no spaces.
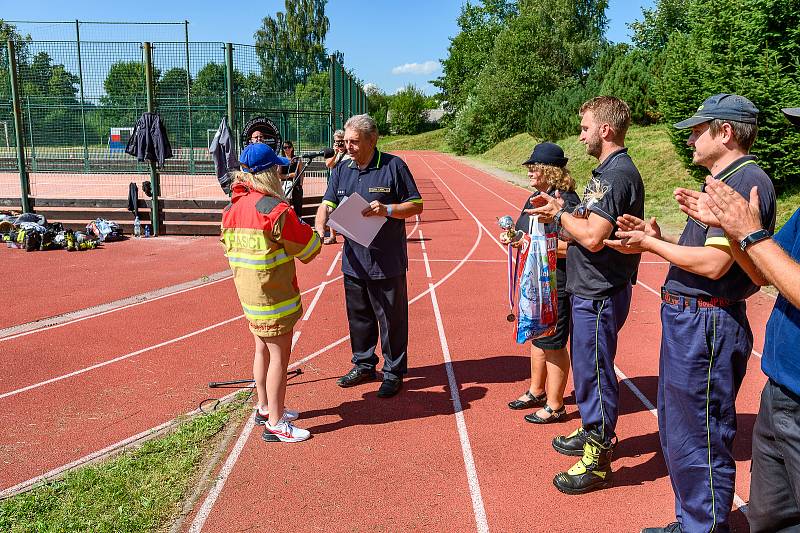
{"x":363,"y":124}
{"x":338,"y":133}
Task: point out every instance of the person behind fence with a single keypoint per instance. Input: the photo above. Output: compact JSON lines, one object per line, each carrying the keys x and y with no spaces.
{"x":339,"y":156}
{"x":547,"y":171}
{"x":262,"y":237}
{"x":376,"y":296}
{"x":599,"y":282}
{"x":775,"y":469}
{"x":293,"y":190}
{"x":705,"y":334}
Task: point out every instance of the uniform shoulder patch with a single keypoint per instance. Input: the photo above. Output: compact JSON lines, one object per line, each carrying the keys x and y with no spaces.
{"x":267,"y":204}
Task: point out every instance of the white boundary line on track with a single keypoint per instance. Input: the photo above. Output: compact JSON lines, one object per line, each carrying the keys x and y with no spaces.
{"x":463,"y":435}
{"x":737,"y":501}
{"x":113,"y":309}
{"x":132,"y":354}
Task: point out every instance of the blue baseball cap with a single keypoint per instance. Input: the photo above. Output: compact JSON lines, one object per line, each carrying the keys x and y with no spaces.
{"x":723,"y":107}
{"x":258,"y":156}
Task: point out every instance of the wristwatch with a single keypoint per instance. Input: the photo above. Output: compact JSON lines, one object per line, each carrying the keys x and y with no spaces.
{"x":557,"y":217}
{"x":753,"y":238}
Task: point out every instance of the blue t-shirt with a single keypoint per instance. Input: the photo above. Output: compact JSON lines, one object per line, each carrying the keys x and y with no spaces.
{"x":387,"y":180}
{"x":735,"y":285}
{"x":781,"y":357}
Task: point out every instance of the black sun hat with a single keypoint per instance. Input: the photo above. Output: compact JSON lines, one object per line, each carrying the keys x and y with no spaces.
{"x":793,"y":114}
{"x":547,"y":154}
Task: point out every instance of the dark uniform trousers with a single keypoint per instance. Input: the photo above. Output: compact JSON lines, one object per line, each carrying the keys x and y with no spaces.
{"x":373,"y":305}
{"x":704,"y":354}
{"x":593,"y":346}
{"x":775,"y":479}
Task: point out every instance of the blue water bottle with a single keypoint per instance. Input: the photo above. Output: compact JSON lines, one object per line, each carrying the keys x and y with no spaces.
{"x":147,"y":231}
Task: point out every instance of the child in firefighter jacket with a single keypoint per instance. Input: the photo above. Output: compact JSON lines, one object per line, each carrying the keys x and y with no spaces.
{"x":262,"y":236}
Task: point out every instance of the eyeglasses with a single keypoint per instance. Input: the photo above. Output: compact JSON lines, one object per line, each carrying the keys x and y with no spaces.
{"x":338,"y":143}
{"x":287,"y":147}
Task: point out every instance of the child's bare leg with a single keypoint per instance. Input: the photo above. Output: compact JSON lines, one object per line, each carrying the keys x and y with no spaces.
{"x":280,"y":349}
{"x":261,"y":361}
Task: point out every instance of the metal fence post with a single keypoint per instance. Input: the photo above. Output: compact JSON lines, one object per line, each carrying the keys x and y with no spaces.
{"x":189,"y":99}
{"x":24,"y":184}
{"x":83,"y":113}
{"x":332,"y":83}
{"x":151,"y":106}
{"x":229,"y":89}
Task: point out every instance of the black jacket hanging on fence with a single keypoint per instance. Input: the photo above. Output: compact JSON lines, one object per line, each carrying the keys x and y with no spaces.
{"x":133,"y":199}
{"x":149,"y":141}
{"x":223,"y":152}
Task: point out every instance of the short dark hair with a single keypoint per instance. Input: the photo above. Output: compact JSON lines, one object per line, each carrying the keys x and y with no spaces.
{"x":744,"y":133}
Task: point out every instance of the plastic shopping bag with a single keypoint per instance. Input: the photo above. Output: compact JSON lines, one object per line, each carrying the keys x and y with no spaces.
{"x":537,"y":311}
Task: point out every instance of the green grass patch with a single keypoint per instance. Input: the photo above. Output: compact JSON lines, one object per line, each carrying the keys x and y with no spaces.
{"x":139,"y":490}
{"x":430,"y":140}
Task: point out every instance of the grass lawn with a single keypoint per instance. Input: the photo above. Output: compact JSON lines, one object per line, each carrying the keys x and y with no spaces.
{"x":139,"y":490}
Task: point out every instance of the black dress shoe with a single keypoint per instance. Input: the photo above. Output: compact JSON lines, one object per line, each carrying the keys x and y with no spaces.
{"x":529,"y":401}
{"x":555,"y":414}
{"x":355,"y":376}
{"x":674,"y":527}
{"x":390,"y":387}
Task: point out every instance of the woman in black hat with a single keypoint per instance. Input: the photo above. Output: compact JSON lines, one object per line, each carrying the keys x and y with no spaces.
{"x":547,"y":170}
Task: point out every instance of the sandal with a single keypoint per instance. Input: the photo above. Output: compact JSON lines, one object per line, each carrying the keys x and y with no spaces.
{"x":329,"y":240}
{"x":555,"y":414}
{"x":532,"y":401}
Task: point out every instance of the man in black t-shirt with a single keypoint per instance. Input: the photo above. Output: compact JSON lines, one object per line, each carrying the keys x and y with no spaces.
{"x":374,"y":276}
{"x":599,"y":281}
{"x":705,"y":335}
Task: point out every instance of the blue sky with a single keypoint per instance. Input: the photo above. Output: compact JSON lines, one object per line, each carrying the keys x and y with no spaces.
{"x":386,"y":42}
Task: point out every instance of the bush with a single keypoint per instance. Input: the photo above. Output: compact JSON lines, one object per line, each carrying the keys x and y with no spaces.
{"x":747,"y":48}
{"x":408,"y":111}
{"x":555,"y":115}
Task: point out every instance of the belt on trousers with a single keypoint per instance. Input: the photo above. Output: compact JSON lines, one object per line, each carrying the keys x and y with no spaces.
{"x":699,"y":301}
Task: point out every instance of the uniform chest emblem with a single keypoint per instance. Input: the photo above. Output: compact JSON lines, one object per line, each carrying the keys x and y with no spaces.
{"x":380,"y":189}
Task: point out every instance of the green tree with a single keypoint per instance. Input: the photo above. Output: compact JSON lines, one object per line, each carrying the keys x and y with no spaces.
{"x":469,"y":51}
{"x":407,"y":110}
{"x":558,"y":39}
{"x":126,"y":96}
{"x":173,"y":84}
{"x":378,"y":103}
{"x":652,"y":33}
{"x":291,"y":46}
{"x":747,"y":48}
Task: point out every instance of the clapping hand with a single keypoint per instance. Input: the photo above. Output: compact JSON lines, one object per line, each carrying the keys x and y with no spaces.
{"x":695,"y":204}
{"x":548,"y":210}
{"x":632,"y":234}
{"x":737,"y":216}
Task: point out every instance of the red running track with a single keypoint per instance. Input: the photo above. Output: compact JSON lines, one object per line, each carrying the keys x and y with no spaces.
{"x":444,"y":455}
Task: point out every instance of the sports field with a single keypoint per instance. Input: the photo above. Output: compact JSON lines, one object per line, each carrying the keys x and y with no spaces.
{"x":130,"y":335}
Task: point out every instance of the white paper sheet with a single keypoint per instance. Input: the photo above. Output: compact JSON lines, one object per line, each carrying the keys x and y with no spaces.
{"x":348,"y":220}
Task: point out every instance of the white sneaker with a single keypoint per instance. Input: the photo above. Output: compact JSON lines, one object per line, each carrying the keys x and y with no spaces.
{"x":284,"y":431}
{"x":289,"y":414}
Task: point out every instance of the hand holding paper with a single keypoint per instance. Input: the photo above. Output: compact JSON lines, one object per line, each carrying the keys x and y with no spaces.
{"x":348,"y":219}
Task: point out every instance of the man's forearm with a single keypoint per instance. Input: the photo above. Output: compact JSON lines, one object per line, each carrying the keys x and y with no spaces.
{"x":405,"y":209}
{"x":584,"y":232}
{"x":778,"y":268}
{"x":705,"y":261}
{"x":748,"y":266}
{"x":321,"y":218}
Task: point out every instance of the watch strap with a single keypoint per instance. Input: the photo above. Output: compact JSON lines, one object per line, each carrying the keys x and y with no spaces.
{"x":754,"y":237}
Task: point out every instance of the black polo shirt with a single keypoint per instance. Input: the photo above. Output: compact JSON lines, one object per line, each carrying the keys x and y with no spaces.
{"x":387,"y":180}
{"x":617,"y":189}
{"x":735,"y":285}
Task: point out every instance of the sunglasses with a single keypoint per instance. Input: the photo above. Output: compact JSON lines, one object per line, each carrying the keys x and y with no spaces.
{"x":288,"y":148}
{"x":338,"y":143}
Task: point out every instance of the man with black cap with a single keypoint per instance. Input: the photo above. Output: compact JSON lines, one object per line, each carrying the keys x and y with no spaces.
{"x":775,"y":477}
{"x":706,"y":338}
{"x":599,"y":282}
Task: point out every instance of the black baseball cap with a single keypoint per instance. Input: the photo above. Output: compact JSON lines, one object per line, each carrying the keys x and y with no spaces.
{"x":723,"y":107}
{"x":547,"y":154}
{"x":793,"y":114}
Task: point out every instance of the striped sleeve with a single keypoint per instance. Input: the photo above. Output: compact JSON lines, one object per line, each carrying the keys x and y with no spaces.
{"x":297,"y":237}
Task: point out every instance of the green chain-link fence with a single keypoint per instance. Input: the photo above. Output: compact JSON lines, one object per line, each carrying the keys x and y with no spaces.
{"x":79,"y":102}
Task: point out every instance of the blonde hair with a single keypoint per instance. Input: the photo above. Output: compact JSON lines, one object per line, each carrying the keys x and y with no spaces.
{"x":266,"y":182}
{"x":609,"y":110}
{"x":557,"y":177}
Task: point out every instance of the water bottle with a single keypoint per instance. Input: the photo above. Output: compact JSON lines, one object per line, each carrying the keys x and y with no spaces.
{"x":146,"y":231}
{"x":137,"y":227}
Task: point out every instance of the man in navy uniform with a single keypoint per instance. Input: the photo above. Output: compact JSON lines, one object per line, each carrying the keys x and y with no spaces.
{"x":599,"y":281}
{"x":706,"y":338}
{"x":775,"y":477}
{"x":375,"y":276}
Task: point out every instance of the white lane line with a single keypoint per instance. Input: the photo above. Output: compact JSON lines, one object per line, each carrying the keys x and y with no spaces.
{"x":463,"y":435}
{"x":86,"y":314}
{"x":333,"y":263}
{"x":425,"y":257}
{"x":129,"y":355}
